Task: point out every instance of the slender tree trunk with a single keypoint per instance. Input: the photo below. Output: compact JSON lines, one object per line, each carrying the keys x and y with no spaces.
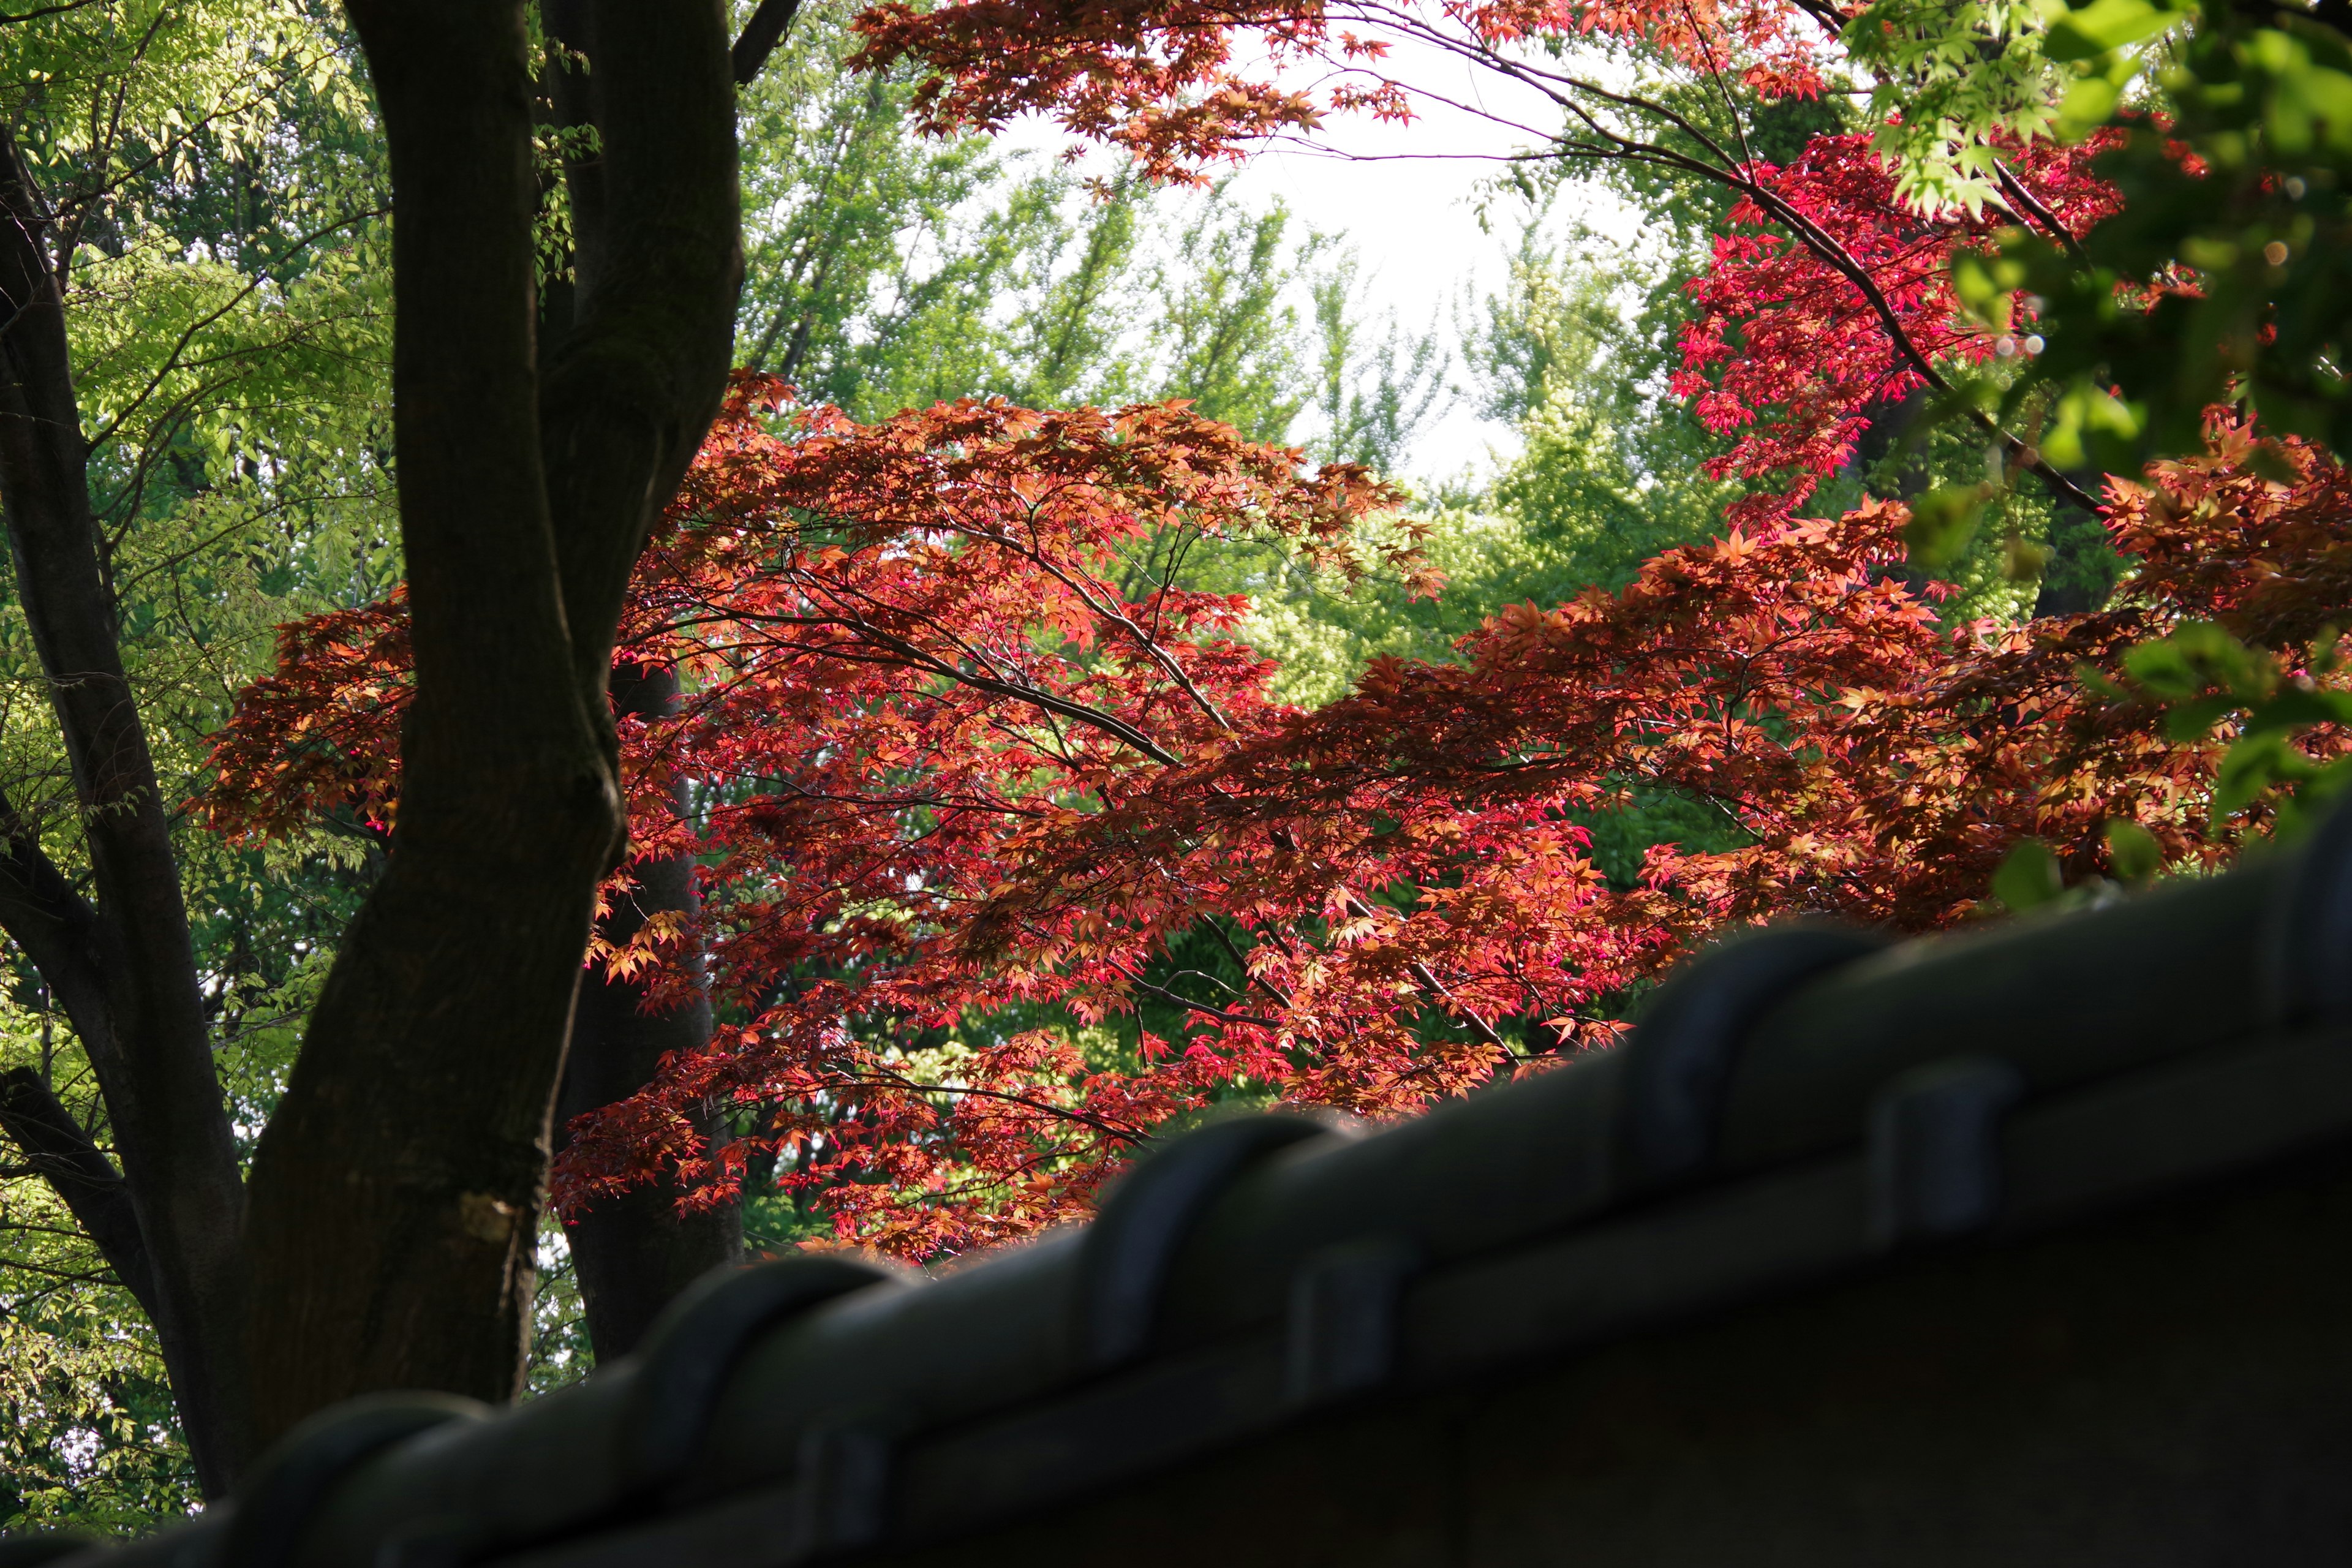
{"x":397,"y":1192}
{"x":127,"y":968}
{"x":2084,"y":567}
{"x":634,"y":1252}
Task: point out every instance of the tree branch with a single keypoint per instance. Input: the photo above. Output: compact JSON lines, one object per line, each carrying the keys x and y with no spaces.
{"x":145,"y":1008}
{"x":37,"y":13}
{"x":627,"y":395}
{"x":762,"y":35}
{"x":54,"y":1144}
{"x":56,"y":928}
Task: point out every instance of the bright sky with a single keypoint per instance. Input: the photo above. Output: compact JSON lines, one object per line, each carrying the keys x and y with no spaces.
{"x":1405,"y":197}
{"x":1416,"y":231}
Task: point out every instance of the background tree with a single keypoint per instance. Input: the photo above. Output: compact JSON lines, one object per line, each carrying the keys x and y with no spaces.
{"x":187,"y":371}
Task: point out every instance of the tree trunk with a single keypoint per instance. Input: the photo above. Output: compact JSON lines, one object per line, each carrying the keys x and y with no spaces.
{"x":634,"y":1252}
{"x":2083,"y":568}
{"x":395,"y":1193}
{"x":126,"y":969}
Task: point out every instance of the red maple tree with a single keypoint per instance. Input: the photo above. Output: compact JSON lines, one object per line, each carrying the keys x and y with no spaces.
{"x":1829,"y":300}
{"x":1166,"y":82}
{"x":967,"y":767}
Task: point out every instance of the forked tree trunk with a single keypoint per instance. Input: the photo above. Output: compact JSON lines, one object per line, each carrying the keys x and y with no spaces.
{"x":397,"y":1192}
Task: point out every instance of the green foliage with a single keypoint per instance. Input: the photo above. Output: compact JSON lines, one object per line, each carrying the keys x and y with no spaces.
{"x":2204,"y":678}
{"x":2109,"y":43}
{"x":560,"y":1353}
{"x":2029,"y":878}
{"x":1957,"y":83}
{"x":1607,"y":475}
{"x":1944,"y":523}
{"x":1950,"y":79}
{"x":2132,"y":850}
{"x":2228,"y":278}
{"x":2083,"y":568}
{"x":1624,"y":834}
{"x":88,"y":1437}
{"x":1225,"y":336}
{"x":2223,"y":278}
{"x":224,"y":264}
{"x":886,"y":270}
{"x":1371,"y":398}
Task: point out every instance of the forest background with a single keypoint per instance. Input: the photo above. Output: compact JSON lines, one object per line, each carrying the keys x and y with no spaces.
{"x":229,"y":300}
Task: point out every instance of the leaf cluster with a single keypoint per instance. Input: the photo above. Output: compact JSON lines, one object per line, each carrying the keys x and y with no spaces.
{"x":2221,"y":276}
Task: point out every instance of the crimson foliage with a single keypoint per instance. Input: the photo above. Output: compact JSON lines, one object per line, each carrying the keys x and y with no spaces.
{"x":970,"y":774}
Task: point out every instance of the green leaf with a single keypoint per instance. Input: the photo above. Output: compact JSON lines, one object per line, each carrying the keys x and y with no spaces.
{"x":2029,"y":877}
{"x":2314,"y":798}
{"x":2256,"y":764}
{"x":2194,"y":720}
{"x":2089,"y":103}
{"x":1988,"y":285}
{"x":2132,"y":850}
{"x":2165,"y":669}
{"x":2294,"y":709}
{"x":2268,"y":460}
{"x":2198,"y":658}
{"x":2086,"y":32}
{"x":2098,"y":683}
{"x":2091,"y":422}
{"x":2326,"y":651}
{"x":1942,"y":522}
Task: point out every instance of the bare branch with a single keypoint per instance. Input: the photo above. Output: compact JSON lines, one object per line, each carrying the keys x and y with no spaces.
{"x":39,"y":12}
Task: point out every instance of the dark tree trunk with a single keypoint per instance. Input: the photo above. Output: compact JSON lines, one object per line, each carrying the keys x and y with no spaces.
{"x":126,"y":969}
{"x":634,"y":1252}
{"x":397,"y":1192}
{"x":1890,"y":423}
{"x":2084,"y":567}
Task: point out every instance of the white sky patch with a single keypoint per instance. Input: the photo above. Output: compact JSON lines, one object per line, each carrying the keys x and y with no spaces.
{"x":1407,"y":198}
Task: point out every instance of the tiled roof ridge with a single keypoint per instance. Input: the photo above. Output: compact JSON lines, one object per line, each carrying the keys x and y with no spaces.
{"x":1800,"y":1106}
